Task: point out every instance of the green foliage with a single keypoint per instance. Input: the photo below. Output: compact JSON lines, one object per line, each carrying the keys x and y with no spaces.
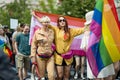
{"x":15,"y":10}
{"x":47,"y":6}
{"x":19,"y":10}
{"x":4,"y":17}
{"x":76,"y":8}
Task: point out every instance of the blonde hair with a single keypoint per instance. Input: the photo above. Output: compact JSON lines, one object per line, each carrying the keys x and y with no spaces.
{"x":1,"y":26}
{"x":18,"y":28}
{"x":45,"y":19}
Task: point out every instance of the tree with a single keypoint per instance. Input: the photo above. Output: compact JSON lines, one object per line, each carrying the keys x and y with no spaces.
{"x":17,"y":10}
{"x":47,"y":6}
{"x":4,"y":17}
{"x":76,"y":8}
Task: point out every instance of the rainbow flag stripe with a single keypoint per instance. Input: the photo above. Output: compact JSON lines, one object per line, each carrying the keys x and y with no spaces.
{"x":5,"y":49}
{"x":104,"y":41}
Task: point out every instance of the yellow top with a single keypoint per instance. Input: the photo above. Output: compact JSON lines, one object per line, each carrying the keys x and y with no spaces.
{"x":63,"y":46}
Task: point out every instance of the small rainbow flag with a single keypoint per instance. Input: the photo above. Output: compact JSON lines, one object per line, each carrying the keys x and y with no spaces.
{"x":5,"y":49}
{"x":104,"y":41}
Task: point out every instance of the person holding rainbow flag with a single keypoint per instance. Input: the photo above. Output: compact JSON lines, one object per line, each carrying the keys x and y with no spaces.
{"x":4,"y":43}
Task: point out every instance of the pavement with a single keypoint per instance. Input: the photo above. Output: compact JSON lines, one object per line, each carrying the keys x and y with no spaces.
{"x":72,"y":71}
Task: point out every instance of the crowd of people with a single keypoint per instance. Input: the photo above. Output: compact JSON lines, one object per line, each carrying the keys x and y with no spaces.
{"x":41,"y":58}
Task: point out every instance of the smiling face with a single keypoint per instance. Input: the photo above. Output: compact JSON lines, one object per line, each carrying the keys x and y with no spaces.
{"x":26,"y":29}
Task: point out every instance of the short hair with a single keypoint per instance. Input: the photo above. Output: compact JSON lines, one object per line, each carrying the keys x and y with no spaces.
{"x":5,"y":27}
{"x":22,"y":25}
{"x":18,"y":28}
{"x":45,"y":19}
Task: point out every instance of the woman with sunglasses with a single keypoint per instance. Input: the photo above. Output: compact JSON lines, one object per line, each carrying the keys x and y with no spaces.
{"x":63,"y":55}
{"x":63,"y":39}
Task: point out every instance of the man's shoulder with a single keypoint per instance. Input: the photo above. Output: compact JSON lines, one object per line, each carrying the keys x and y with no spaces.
{"x":19,"y":35}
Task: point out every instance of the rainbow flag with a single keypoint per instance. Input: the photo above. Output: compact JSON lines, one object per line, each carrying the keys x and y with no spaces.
{"x":5,"y":49}
{"x":104,"y":41}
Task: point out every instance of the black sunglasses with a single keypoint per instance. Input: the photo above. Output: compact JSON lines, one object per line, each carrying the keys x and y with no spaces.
{"x":62,"y":20}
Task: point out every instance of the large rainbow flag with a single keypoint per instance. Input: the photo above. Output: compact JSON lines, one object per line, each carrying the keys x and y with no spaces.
{"x":104,"y":41}
{"x":72,"y":21}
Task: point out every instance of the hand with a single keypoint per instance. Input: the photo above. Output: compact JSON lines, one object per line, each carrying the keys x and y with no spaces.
{"x":86,"y":28}
{"x":33,"y":59}
{"x":33,"y":13}
{"x":14,"y":51}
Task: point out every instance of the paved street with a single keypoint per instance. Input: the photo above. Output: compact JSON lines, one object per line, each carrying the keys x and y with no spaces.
{"x":71,"y":75}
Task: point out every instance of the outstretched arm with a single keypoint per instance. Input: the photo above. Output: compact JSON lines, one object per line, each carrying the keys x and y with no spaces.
{"x":38,"y":18}
{"x":78,"y":31}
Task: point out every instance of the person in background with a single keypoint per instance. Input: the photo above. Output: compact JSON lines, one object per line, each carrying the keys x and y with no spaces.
{"x":80,"y":64}
{"x":18,"y":30}
{"x":22,"y":48}
{"x":3,"y":39}
{"x":9,"y":34}
{"x":41,"y":50}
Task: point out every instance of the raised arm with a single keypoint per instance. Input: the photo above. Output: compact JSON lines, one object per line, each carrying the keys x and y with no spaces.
{"x":38,"y":18}
{"x":78,"y":31}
